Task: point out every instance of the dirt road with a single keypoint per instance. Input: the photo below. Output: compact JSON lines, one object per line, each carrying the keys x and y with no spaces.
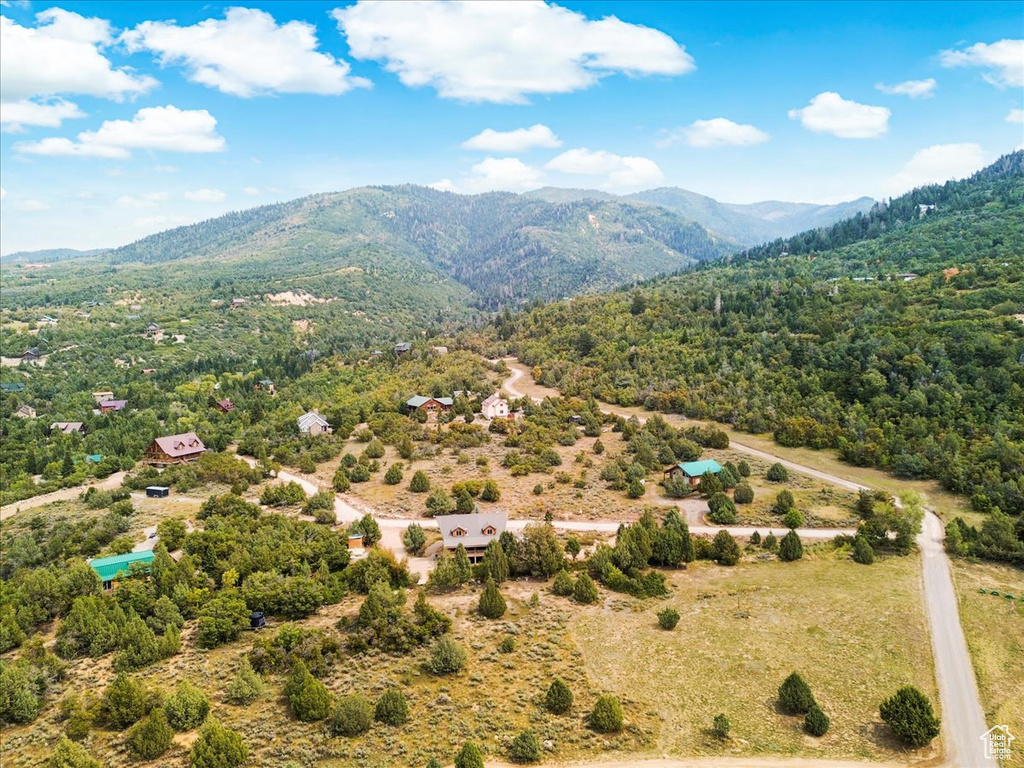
{"x":64,"y":494}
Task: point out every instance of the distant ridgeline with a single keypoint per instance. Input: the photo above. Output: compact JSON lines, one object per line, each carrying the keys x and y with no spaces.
{"x":896,"y":337}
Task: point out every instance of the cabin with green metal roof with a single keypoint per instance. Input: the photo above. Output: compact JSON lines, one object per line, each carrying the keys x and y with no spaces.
{"x":110,"y":569}
{"x":694,"y":470}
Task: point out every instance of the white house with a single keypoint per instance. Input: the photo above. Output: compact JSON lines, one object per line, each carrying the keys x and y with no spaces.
{"x":313,"y":423}
{"x":494,"y":407}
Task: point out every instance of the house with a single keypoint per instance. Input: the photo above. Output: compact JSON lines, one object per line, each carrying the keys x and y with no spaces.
{"x":25,"y":412}
{"x":265,"y":385}
{"x":439,"y":350}
{"x":174,"y":449}
{"x":473,"y":531}
{"x":313,"y":423}
{"x":47,"y":320}
{"x":112,"y":569}
{"x":94,"y":458}
{"x":99,"y":397}
{"x":152,"y":329}
{"x":235,"y":303}
{"x":148,"y":371}
{"x":68,"y":427}
{"x":31,"y":355}
{"x":432,"y":405}
{"x":494,"y":407}
{"x":11,"y":387}
{"x":694,"y":470}
{"x":225,"y":406}
{"x":402,"y":348}
{"x":112,"y":406}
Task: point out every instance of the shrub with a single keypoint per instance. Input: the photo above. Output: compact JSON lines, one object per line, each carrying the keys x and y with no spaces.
{"x":563,"y":584}
{"x":352,"y":715}
{"x":795,"y":697}
{"x":507,"y":644}
{"x":606,"y":716}
{"x":218,"y":747}
{"x":558,"y":699}
{"x":777,"y":473}
{"x":783,"y":502}
{"x":585,"y":590}
{"x":668,"y":618}
{"x":341,"y":482}
{"x":720,"y":727}
{"x":439,"y":503}
{"x":18,"y":702}
{"x":491,"y":492}
{"x":909,"y":715}
{"x":770,"y":542}
{"x":360,"y":473}
{"x":723,"y":511}
{"x":743,"y":469}
{"x":790,"y":548}
{"x":414,"y":539}
{"x":391,"y":708}
{"x":374,"y":449}
{"x":816,"y":722}
{"x":635,"y":489}
{"x":743,"y":494}
{"x":187,"y":708}
{"x":447,"y":657}
{"x":862,"y":551}
{"x":469,"y":756}
{"x":67,"y":754}
{"x":246,"y":686}
{"x":151,"y":737}
{"x":525,"y":748}
{"x":369,"y":527}
{"x":420,"y":482}
{"x":755,"y":538}
{"x":724,"y":549}
{"x":492,"y":604}
{"x":394,"y":475}
{"x":793,"y":519}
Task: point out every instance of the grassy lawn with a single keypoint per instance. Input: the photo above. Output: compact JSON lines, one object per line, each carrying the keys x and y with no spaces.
{"x":855,"y":633}
{"x":994,"y":627}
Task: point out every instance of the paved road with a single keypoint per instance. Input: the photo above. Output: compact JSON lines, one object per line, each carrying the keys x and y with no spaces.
{"x":963,"y":721}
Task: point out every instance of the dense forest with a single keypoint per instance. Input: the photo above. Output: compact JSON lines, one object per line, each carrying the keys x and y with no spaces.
{"x":894,"y":337}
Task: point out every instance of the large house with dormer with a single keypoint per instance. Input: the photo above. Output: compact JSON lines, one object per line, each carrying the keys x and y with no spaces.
{"x":473,"y":531}
{"x":174,"y":449}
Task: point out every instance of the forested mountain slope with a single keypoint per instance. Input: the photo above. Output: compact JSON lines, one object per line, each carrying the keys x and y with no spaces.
{"x":503,"y":247}
{"x":921,"y":375}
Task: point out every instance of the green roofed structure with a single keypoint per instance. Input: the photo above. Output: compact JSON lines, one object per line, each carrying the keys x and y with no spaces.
{"x":694,"y":470}
{"x":110,"y":569}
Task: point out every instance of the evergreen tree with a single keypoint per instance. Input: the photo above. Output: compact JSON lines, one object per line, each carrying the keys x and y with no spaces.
{"x":187,"y":708}
{"x":558,"y":699}
{"x":420,"y":482}
{"x":720,"y":726}
{"x":308,"y":698}
{"x":724,"y":549}
{"x":790,"y":548}
{"x":585,"y":590}
{"x":150,"y":737}
{"x":446,"y":658}
{"x":469,"y":756}
{"x":246,"y":686}
{"x":795,"y":697}
{"x":862,"y":551}
{"x":490,"y":492}
{"x":391,"y":708}
{"x":909,"y":715}
{"x":464,"y":504}
{"x":68,"y":754}
{"x":816,"y":722}
{"x":606,"y":716}
{"x":525,"y":748}
{"x":352,"y":716}
{"x":495,"y":563}
{"x":492,"y":604}
{"x":777,"y":473}
{"x":743,"y":494}
{"x":125,"y":701}
{"x":218,"y":747}
{"x":394,"y":475}
{"x":462,"y":564}
{"x":414,"y":539}
{"x":563,"y":584}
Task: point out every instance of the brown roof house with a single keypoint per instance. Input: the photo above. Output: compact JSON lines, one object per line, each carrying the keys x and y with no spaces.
{"x":473,"y":531}
{"x":68,"y":427}
{"x":112,"y":406}
{"x":25,"y":412}
{"x":225,"y":406}
{"x":174,"y":449}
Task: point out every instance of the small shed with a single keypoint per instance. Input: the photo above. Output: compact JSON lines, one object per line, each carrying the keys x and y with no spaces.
{"x":257,"y":620}
{"x":157,"y":491}
{"x":355,"y":541}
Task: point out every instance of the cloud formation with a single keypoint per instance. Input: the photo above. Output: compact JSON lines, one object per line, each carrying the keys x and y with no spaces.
{"x":915,"y":89}
{"x":15,"y":115}
{"x":618,"y":171}
{"x":504,"y":50}
{"x":716,"y":132}
{"x":1015,"y":116}
{"x":1003,"y":59}
{"x":829,"y":112}
{"x":519,"y":140}
{"x":156,"y":128}
{"x":247,"y":53}
{"x":937,"y":164}
{"x":145,"y":200}
{"x":205,"y":196}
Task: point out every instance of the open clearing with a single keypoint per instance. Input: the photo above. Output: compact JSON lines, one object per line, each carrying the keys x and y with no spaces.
{"x":994,"y":628}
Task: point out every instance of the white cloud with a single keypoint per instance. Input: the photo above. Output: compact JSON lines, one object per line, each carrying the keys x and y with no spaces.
{"x":3,"y":193}
{"x":155,"y":128}
{"x":205,"y":196}
{"x":14,"y":115}
{"x":936,"y":165}
{"x":31,"y":206}
{"x":251,"y":190}
{"x":1015,"y":116}
{"x":62,"y":55}
{"x":165,"y":168}
{"x":145,"y":200}
{"x":716,"y":132}
{"x":443,"y":185}
{"x":247,"y":54}
{"x":503,"y":50}
{"x":519,"y":140}
{"x":618,"y":171}
{"x":508,"y":174}
{"x":829,"y":112}
{"x":1004,"y":59}
{"x":915,"y":89}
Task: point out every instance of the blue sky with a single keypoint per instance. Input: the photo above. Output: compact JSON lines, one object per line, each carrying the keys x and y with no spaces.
{"x":123,"y":119}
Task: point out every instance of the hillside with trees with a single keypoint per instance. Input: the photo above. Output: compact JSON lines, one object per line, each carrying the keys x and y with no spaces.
{"x":895,"y":338}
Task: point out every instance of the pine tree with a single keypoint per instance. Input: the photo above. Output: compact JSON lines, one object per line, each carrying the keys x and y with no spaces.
{"x":909,"y":715}
{"x":420,"y":482}
{"x":790,"y":548}
{"x":151,"y":737}
{"x":816,"y":722}
{"x":525,"y":748}
{"x":606,"y":716}
{"x":495,"y":563}
{"x":469,"y":756}
{"x":862,"y":551}
{"x":394,"y":475}
{"x":218,"y":747}
{"x":558,"y":699}
{"x":391,"y":708}
{"x":795,"y":697}
{"x":585,"y":590}
{"x":246,"y":686}
{"x":352,"y":715}
{"x":492,"y":604}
